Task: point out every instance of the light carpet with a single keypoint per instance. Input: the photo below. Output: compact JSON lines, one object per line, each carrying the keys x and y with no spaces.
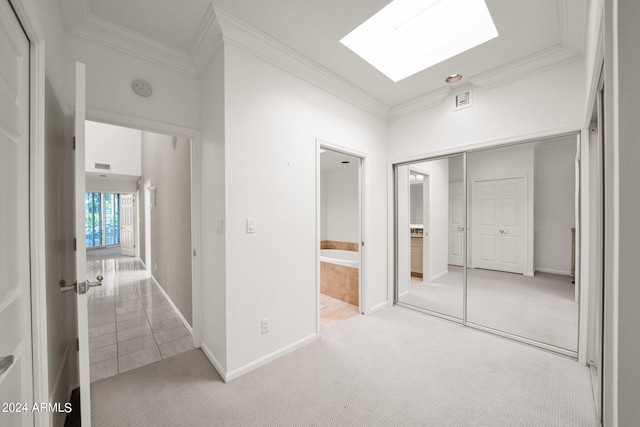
{"x":394,"y":368}
{"x":541,"y":308}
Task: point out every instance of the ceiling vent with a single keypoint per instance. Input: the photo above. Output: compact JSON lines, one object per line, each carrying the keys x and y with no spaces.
{"x":103,"y":166}
{"x":463,"y":100}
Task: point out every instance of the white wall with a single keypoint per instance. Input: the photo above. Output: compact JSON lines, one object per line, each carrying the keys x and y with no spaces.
{"x":554,"y":204}
{"x":340,"y":204}
{"x":270,"y":176}
{"x":214,"y":291}
{"x":116,"y":146}
{"x":417,"y":203}
{"x":175,"y":99}
{"x":507,"y":162}
{"x":166,"y":161}
{"x":438,"y":227}
{"x":622,"y":269}
{"x":543,"y":103}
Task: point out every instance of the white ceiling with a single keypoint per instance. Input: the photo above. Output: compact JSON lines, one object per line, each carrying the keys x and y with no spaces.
{"x":172,"y":22}
{"x":532,"y":36}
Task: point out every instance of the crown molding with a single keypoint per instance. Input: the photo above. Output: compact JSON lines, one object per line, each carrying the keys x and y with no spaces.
{"x":566,"y":50}
{"x":419,"y":103}
{"x":206,"y":42}
{"x":515,"y":70}
{"x":100,"y":31}
{"x":261,"y":45}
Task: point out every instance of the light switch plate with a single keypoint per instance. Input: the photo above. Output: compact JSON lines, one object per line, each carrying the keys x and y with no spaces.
{"x":220,"y":226}
{"x":251,"y":225}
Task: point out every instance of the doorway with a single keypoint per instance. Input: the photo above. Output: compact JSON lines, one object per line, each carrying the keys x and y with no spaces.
{"x":339,"y":237}
{"x":144,"y":310}
{"x":502,"y":229}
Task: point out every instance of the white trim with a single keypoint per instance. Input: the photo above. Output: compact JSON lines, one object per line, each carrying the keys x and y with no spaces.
{"x":583,"y":241}
{"x":173,"y":305}
{"x":235,"y":373}
{"x":236,"y":32}
{"x":537,"y":136}
{"x":102,"y":32}
{"x":439,"y":275}
{"x":419,"y":103}
{"x":361,"y":156}
{"x":37,"y":209}
{"x":216,"y":364}
{"x":552,"y":271}
{"x":378,"y":307}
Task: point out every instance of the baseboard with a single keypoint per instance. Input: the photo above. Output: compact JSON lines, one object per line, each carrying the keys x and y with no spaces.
{"x":378,"y":307}
{"x":216,"y":364}
{"x":170,"y":301}
{"x":439,"y":275}
{"x":405,"y":293}
{"x":552,"y":271}
{"x":231,"y":375}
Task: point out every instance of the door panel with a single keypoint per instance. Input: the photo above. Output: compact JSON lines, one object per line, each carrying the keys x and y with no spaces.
{"x":81,"y":255}
{"x":15,"y":286}
{"x":127,"y":225}
{"x":499,"y":206}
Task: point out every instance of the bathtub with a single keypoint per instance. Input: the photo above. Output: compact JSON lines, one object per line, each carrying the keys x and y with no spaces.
{"x":339,"y":274}
{"x":339,"y":257}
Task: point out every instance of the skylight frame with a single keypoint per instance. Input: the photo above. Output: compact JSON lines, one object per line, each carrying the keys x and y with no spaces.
{"x":408,"y":36}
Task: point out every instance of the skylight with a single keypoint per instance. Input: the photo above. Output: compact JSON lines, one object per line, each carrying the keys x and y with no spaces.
{"x":408,"y":36}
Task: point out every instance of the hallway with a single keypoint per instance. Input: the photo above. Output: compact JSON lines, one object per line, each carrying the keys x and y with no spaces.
{"x":131,"y":324}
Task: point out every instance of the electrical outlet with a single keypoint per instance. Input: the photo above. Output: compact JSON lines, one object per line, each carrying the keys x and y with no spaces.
{"x":155,"y":266}
{"x":264,"y":325}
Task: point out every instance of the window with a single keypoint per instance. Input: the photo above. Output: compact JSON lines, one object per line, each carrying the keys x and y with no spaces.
{"x":102,"y":219}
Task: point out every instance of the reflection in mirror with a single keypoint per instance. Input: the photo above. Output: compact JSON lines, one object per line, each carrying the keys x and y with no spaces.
{"x":430,"y":209}
{"x":521,"y":217}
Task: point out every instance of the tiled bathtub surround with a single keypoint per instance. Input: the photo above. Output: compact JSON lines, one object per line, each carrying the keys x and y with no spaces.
{"x":130,"y":322}
{"x":344,"y":246}
{"x":339,"y":282}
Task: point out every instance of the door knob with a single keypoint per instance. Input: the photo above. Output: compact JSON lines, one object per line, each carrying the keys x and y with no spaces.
{"x":98,"y":281}
{"x":460,"y":228}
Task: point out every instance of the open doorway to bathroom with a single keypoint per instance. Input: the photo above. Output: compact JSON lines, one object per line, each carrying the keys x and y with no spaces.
{"x":340,"y":239}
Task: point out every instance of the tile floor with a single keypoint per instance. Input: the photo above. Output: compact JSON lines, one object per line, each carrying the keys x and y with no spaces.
{"x":130,"y":322}
{"x":335,"y":310}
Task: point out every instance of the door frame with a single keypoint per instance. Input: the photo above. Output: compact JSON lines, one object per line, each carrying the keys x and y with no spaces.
{"x":37,"y":210}
{"x":118,"y":119}
{"x":148,"y":256}
{"x":426,"y":237}
{"x":361,"y":156}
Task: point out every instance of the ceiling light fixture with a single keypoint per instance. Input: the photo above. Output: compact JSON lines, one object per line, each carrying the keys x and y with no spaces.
{"x":453,"y":78}
{"x":408,"y":36}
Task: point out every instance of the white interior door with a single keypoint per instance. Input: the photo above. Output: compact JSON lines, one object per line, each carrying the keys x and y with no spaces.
{"x":127,"y":225}
{"x":456,"y":225}
{"x":499,"y":232}
{"x":81,"y":255}
{"x":16,"y":385}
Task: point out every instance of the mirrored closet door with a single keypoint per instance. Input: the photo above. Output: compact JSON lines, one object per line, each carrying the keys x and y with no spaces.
{"x":488,"y":238}
{"x":430,"y":220}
